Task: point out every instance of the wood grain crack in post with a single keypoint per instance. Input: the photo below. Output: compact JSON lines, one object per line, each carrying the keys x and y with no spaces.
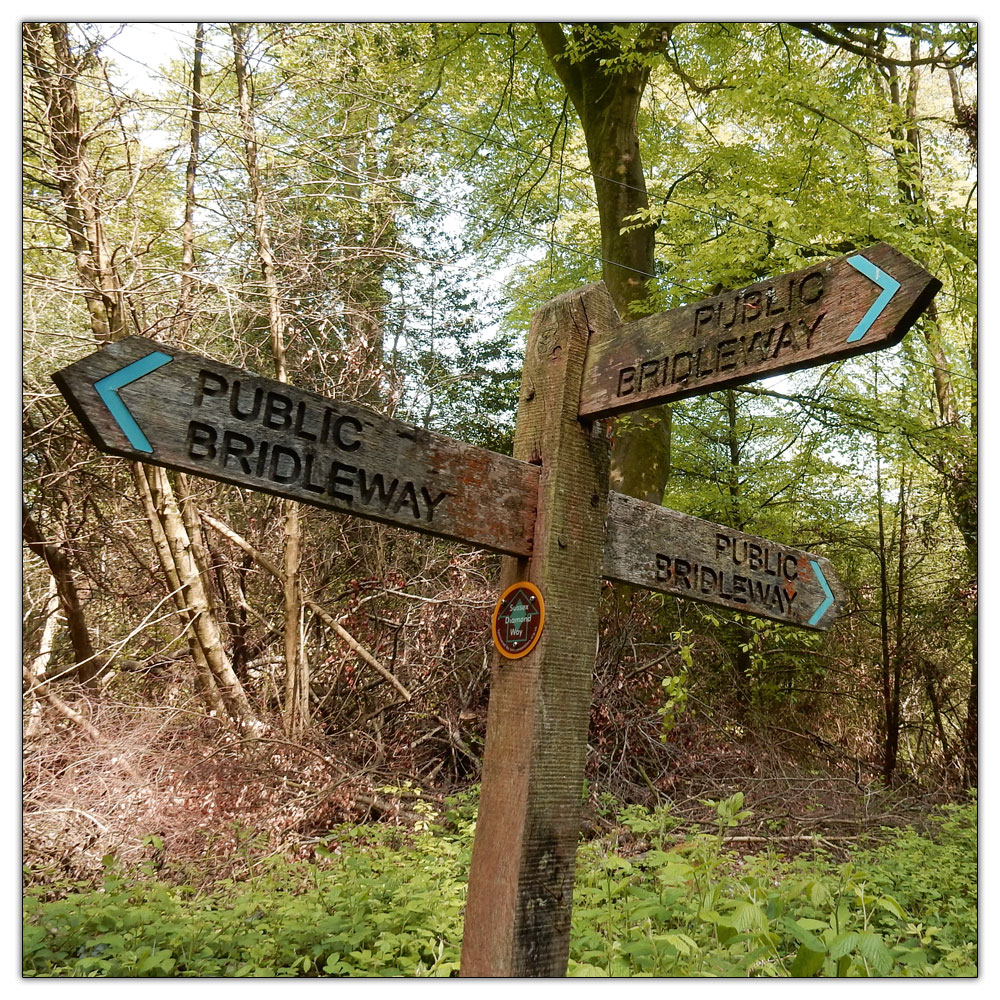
{"x":271,"y":568}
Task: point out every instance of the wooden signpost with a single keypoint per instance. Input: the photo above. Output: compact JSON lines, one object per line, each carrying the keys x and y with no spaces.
{"x":548,"y":509}
{"x":185,"y":412}
{"x":663,"y":550}
{"x":836,"y":309}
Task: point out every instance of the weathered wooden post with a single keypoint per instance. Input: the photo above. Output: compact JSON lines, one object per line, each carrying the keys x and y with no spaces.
{"x":521,"y":881}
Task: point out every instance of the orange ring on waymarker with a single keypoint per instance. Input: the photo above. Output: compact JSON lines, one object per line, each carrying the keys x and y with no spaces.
{"x":504,"y":637}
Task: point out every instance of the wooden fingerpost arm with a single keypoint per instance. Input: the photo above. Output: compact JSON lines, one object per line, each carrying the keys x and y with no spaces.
{"x":521,"y":879}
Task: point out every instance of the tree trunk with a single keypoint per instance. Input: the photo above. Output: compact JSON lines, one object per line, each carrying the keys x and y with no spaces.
{"x":88,"y":664}
{"x":607,"y":98}
{"x":185,"y":311}
{"x":955,"y":455}
{"x":204,"y":678}
{"x":55,"y":79}
{"x":893,"y":713}
{"x":296,"y":708}
{"x":40,"y":664}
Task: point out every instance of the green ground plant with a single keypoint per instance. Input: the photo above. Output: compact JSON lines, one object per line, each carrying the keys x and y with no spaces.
{"x":379,"y":901}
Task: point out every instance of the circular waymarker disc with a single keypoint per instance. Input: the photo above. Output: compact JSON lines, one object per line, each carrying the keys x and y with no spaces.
{"x":518,"y":619}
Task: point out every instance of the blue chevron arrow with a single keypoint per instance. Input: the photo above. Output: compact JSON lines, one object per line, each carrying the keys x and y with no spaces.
{"x":886,"y":282}
{"x":821,"y":610}
{"x":107,"y":388}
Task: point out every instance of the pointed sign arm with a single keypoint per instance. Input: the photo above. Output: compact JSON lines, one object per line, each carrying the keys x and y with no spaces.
{"x":885,"y":281}
{"x":809,"y":317}
{"x":107,"y":388}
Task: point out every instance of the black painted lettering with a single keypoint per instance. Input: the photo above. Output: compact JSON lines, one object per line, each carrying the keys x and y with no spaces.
{"x":791,"y":559}
{"x":237,"y":446}
{"x":663,"y":573}
{"x":740,"y":586}
{"x":300,"y":419}
{"x":307,"y":482}
{"x":277,"y":411}
{"x":340,"y":476}
{"x":234,"y":402}
{"x":262,"y":459}
{"x":431,"y":504}
{"x":377,"y":485}
{"x":338,"y":433}
{"x":625,"y":379}
{"x":756,"y":554}
{"x":408,"y":498}
{"x":771,"y":571}
{"x":200,"y":441}
{"x":209,"y":384}
{"x":291,"y":473}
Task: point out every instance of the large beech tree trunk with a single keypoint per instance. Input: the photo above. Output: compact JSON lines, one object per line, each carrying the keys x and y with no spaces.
{"x":606,"y":96}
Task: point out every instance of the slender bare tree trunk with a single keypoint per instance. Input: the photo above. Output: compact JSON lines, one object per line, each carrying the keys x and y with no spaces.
{"x":204,"y":677}
{"x":955,"y":460}
{"x":40,"y":663}
{"x":88,"y":664}
{"x":55,"y":80}
{"x":55,"y":76}
{"x":185,"y":310}
{"x":296,"y":708}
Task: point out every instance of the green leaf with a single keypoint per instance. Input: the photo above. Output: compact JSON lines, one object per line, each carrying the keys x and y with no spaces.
{"x":872,"y":947}
{"x":802,"y":935}
{"x":807,"y":962}
{"x":583,"y":970}
{"x":889,"y":903}
{"x":843,"y":944}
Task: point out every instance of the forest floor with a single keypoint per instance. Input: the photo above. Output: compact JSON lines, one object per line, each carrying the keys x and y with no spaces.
{"x":177,"y":849}
{"x":175,"y":778}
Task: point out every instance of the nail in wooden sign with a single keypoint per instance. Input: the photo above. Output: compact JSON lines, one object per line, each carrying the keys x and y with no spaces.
{"x":661,"y":549}
{"x":857,"y":303}
{"x":145,"y":401}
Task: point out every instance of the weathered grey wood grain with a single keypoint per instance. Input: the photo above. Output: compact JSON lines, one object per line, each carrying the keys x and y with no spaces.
{"x":210,"y":419}
{"x":780,"y":325}
{"x":521,"y":880}
{"x":661,"y":549}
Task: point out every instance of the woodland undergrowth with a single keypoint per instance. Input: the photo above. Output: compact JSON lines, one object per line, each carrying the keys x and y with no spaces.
{"x":174,"y":848}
